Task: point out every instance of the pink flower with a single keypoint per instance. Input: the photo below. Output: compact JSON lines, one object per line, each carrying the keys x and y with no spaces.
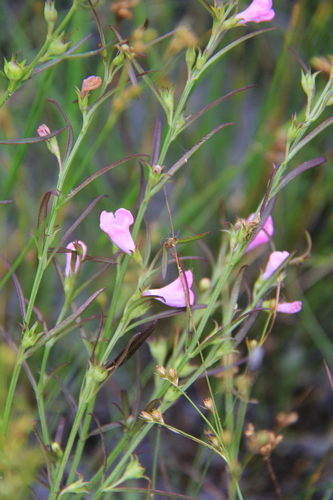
{"x":117,"y":226}
{"x":264,"y":235}
{"x":173,"y":294}
{"x":74,"y":260}
{"x":275,"y":261}
{"x":289,"y":307}
{"x":43,"y":130}
{"x":258,"y":11}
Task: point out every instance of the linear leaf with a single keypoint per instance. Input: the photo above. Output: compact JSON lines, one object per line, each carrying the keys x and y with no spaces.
{"x":311,"y":136}
{"x":70,"y":138}
{"x":189,"y":153}
{"x":219,"y":54}
{"x":76,"y":223}
{"x":42,"y":215}
{"x":134,"y":344}
{"x":300,"y":169}
{"x":99,"y":173}
{"x":32,"y":140}
{"x":64,"y":324}
{"x":191,"y":118}
{"x":19,"y":291}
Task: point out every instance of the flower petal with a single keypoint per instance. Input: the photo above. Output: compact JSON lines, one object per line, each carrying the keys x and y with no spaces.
{"x":173,"y":294}
{"x":117,"y":226}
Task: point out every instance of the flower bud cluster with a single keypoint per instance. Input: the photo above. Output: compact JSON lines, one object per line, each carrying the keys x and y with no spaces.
{"x":170,"y":374}
{"x":155,"y":416}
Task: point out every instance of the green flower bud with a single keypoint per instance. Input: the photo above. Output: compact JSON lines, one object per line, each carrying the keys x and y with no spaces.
{"x":14,"y":71}
{"x":190,"y":57}
{"x":50,"y":12}
{"x":58,"y":46}
{"x":30,"y":337}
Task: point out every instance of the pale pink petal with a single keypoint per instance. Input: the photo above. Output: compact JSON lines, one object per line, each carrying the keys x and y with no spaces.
{"x":79,"y":258}
{"x":264,"y":235}
{"x":275,"y":261}
{"x":173,"y":294}
{"x":117,"y":226}
{"x":258,"y":11}
{"x":289,"y":307}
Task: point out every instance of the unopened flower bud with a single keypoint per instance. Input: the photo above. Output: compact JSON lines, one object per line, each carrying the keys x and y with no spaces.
{"x":97,"y":372}
{"x":190,"y":57}
{"x":52,"y":144}
{"x":58,"y":46}
{"x":161,"y":372}
{"x":14,"y":71}
{"x":134,"y":469}
{"x":43,"y":130}
{"x":204,"y":284}
{"x":30,"y":337}
{"x":57,"y":451}
{"x":154,"y":416}
{"x":308,"y":82}
{"x":50,"y":12}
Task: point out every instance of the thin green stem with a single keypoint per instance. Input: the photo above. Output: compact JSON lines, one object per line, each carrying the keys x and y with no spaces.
{"x":155,"y":457}
{"x":68,"y":449}
{"x":40,"y":396}
{"x":11,"y":390}
{"x":82,"y":440}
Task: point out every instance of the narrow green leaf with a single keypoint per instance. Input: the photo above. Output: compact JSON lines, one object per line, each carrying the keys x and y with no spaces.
{"x":70,"y":138}
{"x":300,"y":169}
{"x":76,"y":223}
{"x":99,"y":173}
{"x":19,"y":291}
{"x":310,"y":136}
{"x":164,"y":261}
{"x":192,"y":118}
{"x":192,"y":238}
{"x":219,"y":54}
{"x":42,"y":216}
{"x":32,"y":140}
{"x":54,"y":332}
{"x":189,"y":153}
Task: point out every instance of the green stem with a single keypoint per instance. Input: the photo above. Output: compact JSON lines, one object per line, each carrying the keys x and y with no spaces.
{"x":40,"y":396}
{"x":155,"y":458}
{"x":11,"y":390}
{"x":82,"y":440}
{"x":68,"y":449}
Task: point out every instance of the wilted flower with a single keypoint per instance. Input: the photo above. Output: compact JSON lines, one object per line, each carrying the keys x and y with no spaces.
{"x":275,"y":261}
{"x":261,"y":442}
{"x":174,"y":294}
{"x":264,"y":235}
{"x":117,"y":226}
{"x":258,"y":11}
{"x":90,"y":83}
{"x":74,"y":260}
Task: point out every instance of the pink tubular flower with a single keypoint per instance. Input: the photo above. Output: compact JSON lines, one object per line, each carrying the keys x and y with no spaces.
{"x":289,"y":307}
{"x":117,"y":226}
{"x":73,"y":266}
{"x":275,"y":261}
{"x":264,"y":235}
{"x":258,"y":11}
{"x":173,"y":294}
